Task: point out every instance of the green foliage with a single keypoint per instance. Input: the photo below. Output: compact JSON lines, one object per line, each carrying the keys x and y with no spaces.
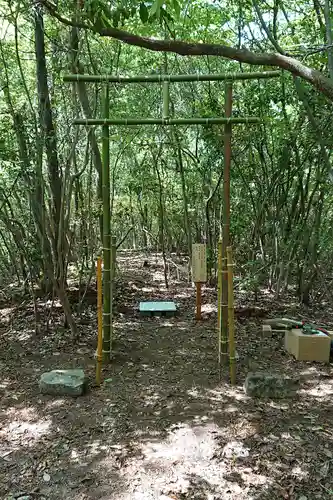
{"x":156,"y":7}
{"x":144,"y":13}
{"x":281,"y":199}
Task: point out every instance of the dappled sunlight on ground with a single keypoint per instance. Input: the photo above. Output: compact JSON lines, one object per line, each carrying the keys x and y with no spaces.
{"x":26,"y":432}
{"x":323,"y":391}
{"x":5,"y":314}
{"x":188,"y":463}
{"x":209,"y":308}
{"x":163,"y":425}
{"x":21,"y":335}
{"x":57,"y":403}
{"x":158,"y":276}
{"x":26,"y":413}
{"x":5,"y":384}
{"x":185,"y":294}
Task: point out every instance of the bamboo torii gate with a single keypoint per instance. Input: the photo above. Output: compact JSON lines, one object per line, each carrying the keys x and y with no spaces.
{"x":106,"y":122}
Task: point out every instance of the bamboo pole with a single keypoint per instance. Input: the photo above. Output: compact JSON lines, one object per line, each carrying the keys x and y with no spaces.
{"x":226,"y":222}
{"x":166,"y":99}
{"x":112,"y":281}
{"x":219,"y":297}
{"x":106,"y":231}
{"x":166,"y":122}
{"x":231,"y":318}
{"x":217,"y":77}
{"x":99,"y":321}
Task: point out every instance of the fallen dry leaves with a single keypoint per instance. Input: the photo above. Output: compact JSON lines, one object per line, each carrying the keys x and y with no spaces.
{"x":162,"y":426}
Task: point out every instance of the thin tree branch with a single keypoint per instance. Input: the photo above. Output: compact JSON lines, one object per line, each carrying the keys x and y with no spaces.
{"x":266,"y":29}
{"x":316,"y":78}
{"x":328,"y":25}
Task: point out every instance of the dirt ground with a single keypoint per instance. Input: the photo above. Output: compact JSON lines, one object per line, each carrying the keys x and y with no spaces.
{"x":162,"y":426}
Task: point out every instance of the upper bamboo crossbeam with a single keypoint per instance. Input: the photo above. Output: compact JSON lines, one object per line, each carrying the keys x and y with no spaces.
{"x":164,"y":121}
{"x":171,"y":78}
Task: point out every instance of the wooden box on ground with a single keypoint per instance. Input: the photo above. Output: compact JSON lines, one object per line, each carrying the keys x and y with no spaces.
{"x":308,"y":347}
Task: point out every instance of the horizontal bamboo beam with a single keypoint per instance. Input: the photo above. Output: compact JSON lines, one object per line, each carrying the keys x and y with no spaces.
{"x":171,"y":78}
{"x":164,"y":121}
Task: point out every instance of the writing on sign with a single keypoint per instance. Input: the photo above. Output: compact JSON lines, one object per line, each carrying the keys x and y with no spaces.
{"x":199,"y":263}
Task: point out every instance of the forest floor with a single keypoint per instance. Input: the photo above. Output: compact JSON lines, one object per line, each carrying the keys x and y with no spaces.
{"x":162,"y":425}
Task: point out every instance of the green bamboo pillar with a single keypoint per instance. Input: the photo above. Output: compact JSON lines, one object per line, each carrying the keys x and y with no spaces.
{"x":106,"y":231}
{"x":112,"y":285}
{"x":166,"y":90}
{"x":226,"y":223}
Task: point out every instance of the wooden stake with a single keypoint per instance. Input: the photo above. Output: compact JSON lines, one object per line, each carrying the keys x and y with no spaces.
{"x":198,"y":301}
{"x":99,"y":322}
{"x":231,"y":318}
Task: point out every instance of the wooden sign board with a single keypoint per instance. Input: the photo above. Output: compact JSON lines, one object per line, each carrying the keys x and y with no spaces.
{"x":199,"y":263}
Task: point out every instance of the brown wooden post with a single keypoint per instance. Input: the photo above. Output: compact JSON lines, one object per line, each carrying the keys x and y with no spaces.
{"x":199,"y":274}
{"x":198,"y":301}
{"x":226,"y":222}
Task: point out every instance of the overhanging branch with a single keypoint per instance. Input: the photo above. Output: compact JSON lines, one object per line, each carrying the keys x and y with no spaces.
{"x":316,"y":78}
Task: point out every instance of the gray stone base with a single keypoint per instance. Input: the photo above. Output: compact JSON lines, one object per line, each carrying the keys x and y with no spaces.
{"x":270,"y":385}
{"x":63,"y":383}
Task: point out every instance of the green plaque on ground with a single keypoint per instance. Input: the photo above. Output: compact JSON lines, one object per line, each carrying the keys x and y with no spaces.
{"x":157,"y":308}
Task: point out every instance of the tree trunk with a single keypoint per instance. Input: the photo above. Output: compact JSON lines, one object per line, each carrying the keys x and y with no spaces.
{"x":53,"y":224}
{"x":180,"y":165}
{"x":46,"y":122}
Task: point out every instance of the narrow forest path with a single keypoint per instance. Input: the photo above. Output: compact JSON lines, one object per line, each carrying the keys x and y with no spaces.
{"x":162,"y":426}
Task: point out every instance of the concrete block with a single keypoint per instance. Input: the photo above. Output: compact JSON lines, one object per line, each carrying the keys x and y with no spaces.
{"x":306,"y":347}
{"x":266,"y":330}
